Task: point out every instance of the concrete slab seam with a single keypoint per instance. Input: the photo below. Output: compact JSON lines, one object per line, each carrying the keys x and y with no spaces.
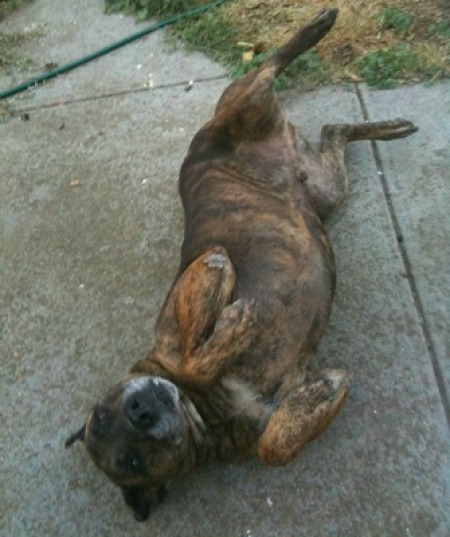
{"x":418,"y":304}
{"x":185,"y":83}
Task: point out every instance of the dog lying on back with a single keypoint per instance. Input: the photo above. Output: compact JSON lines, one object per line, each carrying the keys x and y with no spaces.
{"x":228,"y":376}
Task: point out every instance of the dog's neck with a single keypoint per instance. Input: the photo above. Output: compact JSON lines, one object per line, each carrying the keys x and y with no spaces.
{"x":232,"y":437}
{"x":201,"y":441}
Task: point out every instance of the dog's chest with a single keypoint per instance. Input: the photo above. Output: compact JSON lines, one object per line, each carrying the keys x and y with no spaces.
{"x":244,"y":401}
{"x":236,"y":416}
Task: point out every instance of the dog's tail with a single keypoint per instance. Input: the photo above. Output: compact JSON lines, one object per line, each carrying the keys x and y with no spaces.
{"x":303,"y":40}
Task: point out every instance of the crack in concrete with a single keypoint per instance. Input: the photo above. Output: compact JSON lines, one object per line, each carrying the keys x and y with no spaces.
{"x":418,"y":304}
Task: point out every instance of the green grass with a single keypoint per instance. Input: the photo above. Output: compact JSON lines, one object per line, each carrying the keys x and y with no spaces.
{"x":442,"y":27}
{"x":144,"y":9}
{"x":306,"y":64}
{"x":209,"y":32}
{"x":383,"y":68}
{"x":212,"y":34}
{"x":395,"y":19}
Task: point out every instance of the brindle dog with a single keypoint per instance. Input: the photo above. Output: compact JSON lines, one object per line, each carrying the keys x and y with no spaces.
{"x":228,"y":376}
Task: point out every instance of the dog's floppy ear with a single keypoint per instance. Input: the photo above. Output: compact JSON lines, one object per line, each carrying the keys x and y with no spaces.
{"x":79,"y":435}
{"x":138,"y":499}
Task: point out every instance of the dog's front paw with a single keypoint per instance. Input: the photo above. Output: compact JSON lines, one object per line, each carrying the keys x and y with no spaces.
{"x":237,"y":323}
{"x":241,"y":312}
{"x":230,"y":337}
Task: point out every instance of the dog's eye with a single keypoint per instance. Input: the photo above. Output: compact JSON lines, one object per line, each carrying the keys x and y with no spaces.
{"x":100,"y":415}
{"x":100,"y":420}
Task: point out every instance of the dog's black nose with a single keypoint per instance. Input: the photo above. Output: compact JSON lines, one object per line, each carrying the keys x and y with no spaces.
{"x":148,"y":401}
{"x":141,"y":410}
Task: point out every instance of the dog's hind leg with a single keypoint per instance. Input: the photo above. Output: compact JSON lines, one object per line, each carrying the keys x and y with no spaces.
{"x":328,"y":188}
{"x":249,"y":108}
{"x":302,"y":415}
{"x":305,"y":38}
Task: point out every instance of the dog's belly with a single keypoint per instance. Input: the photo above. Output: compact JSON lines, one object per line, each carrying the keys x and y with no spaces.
{"x":293,"y":307}
{"x":283,"y":261}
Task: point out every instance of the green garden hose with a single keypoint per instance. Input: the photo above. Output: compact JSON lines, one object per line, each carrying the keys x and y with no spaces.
{"x":101,"y":52}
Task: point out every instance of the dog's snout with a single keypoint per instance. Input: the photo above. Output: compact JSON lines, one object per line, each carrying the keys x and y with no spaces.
{"x":141,"y":410}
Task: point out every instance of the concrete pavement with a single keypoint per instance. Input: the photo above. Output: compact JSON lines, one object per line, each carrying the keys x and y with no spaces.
{"x":91,"y":227}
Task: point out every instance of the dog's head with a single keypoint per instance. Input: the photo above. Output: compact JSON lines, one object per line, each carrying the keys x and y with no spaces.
{"x":138,"y":434}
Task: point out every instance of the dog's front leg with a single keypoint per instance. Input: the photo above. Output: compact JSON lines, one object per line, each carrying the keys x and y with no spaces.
{"x":213,"y":332}
{"x":199,"y":331}
{"x":230,"y":337}
{"x":302,"y":415}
